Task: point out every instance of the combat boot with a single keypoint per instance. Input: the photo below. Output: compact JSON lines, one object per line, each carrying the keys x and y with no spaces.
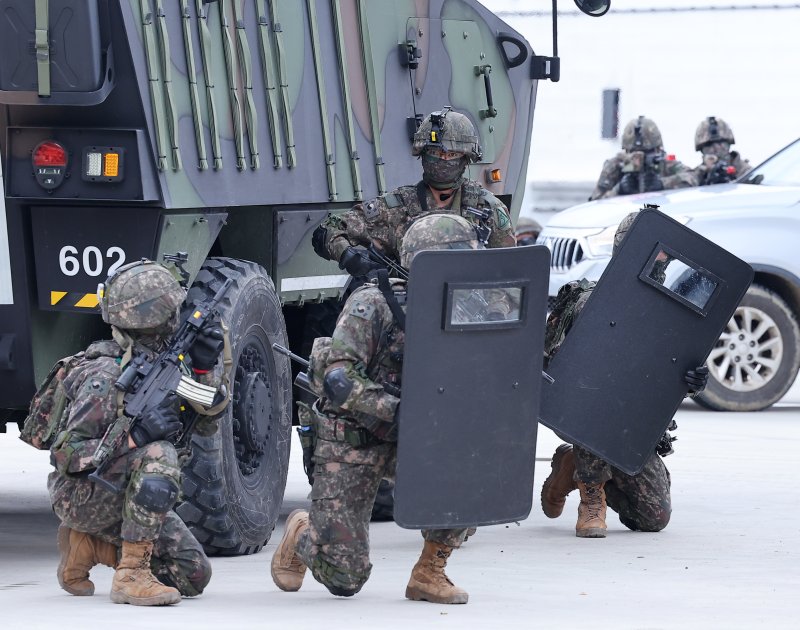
{"x":428,"y":580}
{"x":591,"y":511}
{"x":560,"y":482}
{"x":79,"y":553}
{"x":288,"y":569}
{"x":134,"y":582}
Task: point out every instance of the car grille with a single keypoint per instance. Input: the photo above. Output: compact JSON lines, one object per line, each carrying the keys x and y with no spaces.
{"x":564,"y":252}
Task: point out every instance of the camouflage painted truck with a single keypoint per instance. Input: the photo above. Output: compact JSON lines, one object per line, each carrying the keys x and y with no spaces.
{"x":225,"y":129}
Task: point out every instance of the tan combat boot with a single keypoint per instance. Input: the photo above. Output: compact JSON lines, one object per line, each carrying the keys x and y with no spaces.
{"x":287,"y":568}
{"x":428,"y":580}
{"x":79,"y":553}
{"x":591,"y":511}
{"x":560,"y":482}
{"x":134,"y":582}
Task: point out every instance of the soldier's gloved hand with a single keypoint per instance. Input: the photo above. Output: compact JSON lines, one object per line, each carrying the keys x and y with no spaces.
{"x":206,"y":348}
{"x":652,"y":182}
{"x":357,"y":262}
{"x":161,"y":423}
{"x":629,"y":184}
{"x":697,"y":379}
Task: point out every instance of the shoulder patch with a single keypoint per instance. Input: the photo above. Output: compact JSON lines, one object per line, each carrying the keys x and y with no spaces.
{"x":503,"y":219}
{"x":362,"y":310}
{"x":393,"y":200}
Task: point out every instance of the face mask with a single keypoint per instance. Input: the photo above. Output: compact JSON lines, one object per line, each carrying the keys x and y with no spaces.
{"x":719,"y":149}
{"x":442,"y":174}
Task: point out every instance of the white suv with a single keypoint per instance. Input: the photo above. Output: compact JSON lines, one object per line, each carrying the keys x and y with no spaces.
{"x":757,"y":218}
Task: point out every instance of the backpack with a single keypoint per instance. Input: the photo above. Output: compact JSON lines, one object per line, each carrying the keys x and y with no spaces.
{"x":50,"y":407}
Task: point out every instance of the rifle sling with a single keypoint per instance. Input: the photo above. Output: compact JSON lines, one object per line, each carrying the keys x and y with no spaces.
{"x":391,"y":299}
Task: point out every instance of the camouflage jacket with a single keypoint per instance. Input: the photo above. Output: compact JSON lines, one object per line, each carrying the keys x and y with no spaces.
{"x":94,"y":407}
{"x":673,"y":173}
{"x":569,"y":303}
{"x":368,"y":343}
{"x":384,"y":220}
{"x":734,"y":159}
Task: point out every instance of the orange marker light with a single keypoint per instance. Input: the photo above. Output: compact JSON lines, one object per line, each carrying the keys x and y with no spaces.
{"x":111,"y":166}
{"x":496,"y":175}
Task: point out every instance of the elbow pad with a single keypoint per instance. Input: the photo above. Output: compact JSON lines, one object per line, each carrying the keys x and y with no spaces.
{"x":337,"y":386}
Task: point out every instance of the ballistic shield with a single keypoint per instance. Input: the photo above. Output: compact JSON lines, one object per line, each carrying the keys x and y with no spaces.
{"x":656,"y":312}
{"x":471,"y":383}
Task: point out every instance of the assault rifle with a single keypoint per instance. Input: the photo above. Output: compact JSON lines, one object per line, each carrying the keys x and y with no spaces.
{"x":147,"y":383}
{"x":302,"y":380}
{"x":718,"y":172}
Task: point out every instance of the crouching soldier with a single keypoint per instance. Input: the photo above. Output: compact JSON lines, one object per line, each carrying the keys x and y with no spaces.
{"x":156,"y":558}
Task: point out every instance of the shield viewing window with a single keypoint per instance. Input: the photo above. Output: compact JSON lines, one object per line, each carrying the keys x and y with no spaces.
{"x":483,"y":306}
{"x":681,"y":279}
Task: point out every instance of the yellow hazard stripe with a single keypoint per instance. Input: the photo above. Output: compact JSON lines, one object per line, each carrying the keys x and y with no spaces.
{"x":87,"y":301}
{"x":56,"y":297}
{"x":73,"y":300}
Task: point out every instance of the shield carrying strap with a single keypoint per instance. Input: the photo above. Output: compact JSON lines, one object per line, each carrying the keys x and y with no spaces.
{"x":42,"y":44}
{"x":422,"y":196}
{"x":391,"y":298}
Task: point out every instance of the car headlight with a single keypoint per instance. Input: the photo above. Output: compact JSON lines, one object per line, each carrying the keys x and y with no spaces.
{"x":602,"y":243}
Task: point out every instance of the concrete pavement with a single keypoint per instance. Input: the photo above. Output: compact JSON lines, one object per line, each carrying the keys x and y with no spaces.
{"x":729,"y":558}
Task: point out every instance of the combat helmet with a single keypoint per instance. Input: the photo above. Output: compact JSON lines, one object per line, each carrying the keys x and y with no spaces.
{"x":526,"y":231}
{"x":449,"y":131}
{"x":140,"y":295}
{"x":641,"y":134}
{"x":437,"y":231}
{"x":712,"y":129}
{"x":622,"y":230}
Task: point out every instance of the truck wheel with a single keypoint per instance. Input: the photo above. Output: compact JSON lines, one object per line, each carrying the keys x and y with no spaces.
{"x":234,"y":483}
{"x":756,"y":359}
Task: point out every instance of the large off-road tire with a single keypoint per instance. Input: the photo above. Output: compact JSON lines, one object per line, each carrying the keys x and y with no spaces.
{"x":234,"y":483}
{"x":756,"y":359}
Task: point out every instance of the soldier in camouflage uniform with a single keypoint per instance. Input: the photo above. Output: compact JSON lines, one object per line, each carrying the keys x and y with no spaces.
{"x":713,"y":138}
{"x":446,"y":142}
{"x":527,"y":231}
{"x":643,"y":500}
{"x":642,"y":165}
{"x":356,"y":424}
{"x":156,"y":557}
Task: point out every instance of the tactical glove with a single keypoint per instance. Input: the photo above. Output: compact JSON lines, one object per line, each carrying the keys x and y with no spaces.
{"x":206,"y":348}
{"x":696,"y":379}
{"x":161,"y":423}
{"x":629,"y":184}
{"x":357,"y":262}
{"x":652,"y":182}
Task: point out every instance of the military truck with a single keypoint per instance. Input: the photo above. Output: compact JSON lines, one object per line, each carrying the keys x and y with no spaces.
{"x":223,"y":132}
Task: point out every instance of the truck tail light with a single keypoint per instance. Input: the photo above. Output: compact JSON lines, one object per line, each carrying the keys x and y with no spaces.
{"x":49,"y":153}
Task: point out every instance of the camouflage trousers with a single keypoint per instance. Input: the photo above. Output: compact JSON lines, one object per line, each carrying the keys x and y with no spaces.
{"x":178,"y":559}
{"x":642,"y":501}
{"x":335,"y":547}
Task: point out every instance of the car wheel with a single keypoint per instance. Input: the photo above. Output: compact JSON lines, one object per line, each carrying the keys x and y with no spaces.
{"x":756,"y":359}
{"x":233,"y":485}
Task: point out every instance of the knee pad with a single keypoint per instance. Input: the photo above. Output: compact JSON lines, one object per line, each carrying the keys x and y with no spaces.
{"x":342,"y":592}
{"x":338,"y":581}
{"x":156,"y":494}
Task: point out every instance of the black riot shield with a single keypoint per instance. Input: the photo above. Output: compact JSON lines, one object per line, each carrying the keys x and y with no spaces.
{"x":656,"y":312}
{"x":471,"y":381}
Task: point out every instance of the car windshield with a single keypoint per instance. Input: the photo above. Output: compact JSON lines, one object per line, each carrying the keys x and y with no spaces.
{"x":782,"y":169}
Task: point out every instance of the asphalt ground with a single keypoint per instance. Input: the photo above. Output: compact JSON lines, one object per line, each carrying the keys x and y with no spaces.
{"x":728,"y":559}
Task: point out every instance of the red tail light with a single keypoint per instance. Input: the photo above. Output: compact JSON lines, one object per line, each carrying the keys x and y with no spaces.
{"x":49,"y":153}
